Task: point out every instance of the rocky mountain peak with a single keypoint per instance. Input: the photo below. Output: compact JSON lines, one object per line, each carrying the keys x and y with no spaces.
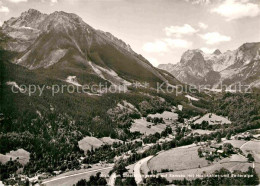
{"x":32,"y":12}
{"x":247,"y":52}
{"x":65,"y":14}
{"x":30,"y":19}
{"x":217,"y":52}
{"x":60,"y":20}
{"x":191,"y":56}
{"x":248,"y":46}
{"x":34,"y":19}
{"x":229,"y":67}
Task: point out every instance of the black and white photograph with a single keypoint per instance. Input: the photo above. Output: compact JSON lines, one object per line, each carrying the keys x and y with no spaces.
{"x":129,"y":92}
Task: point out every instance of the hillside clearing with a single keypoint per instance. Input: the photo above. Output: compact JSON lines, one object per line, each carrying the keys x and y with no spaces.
{"x":178,"y":159}
{"x":89,"y":142}
{"x":142,"y":126}
{"x":251,"y":146}
{"x":166,"y":115}
{"x":21,"y":155}
{"x":234,"y":143}
{"x":213,"y":119}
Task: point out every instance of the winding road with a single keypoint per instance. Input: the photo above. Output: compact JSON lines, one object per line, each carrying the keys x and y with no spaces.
{"x":112,"y":179}
{"x":137,"y":169}
{"x":53,"y":181}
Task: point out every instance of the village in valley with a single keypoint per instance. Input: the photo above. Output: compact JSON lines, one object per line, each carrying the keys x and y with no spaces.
{"x":164,"y":145}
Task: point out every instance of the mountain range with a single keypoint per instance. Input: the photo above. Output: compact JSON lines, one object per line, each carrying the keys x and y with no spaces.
{"x":62,"y":46}
{"x":229,"y":68}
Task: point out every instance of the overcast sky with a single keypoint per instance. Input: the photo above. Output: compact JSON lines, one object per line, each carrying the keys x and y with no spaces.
{"x":160,"y":30}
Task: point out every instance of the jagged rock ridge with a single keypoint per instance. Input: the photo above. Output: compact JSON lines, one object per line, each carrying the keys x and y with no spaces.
{"x":231,"y":67}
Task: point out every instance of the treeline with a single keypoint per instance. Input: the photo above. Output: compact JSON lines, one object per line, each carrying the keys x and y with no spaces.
{"x":206,"y":126}
{"x":240,"y":108}
{"x":125,"y":181}
{"x":52,"y":143}
{"x":153,"y":138}
{"x":93,"y":180}
{"x":9,"y":168}
{"x":154,"y":120}
{"x":108,"y":152}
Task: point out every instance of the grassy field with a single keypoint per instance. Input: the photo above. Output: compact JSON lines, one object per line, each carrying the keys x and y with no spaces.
{"x":238,"y":158}
{"x":109,"y":141}
{"x":201,"y":132}
{"x":213,"y":119}
{"x":235,"y":143}
{"x":165,"y":115}
{"x":22,"y":155}
{"x":253,"y":147}
{"x":178,"y":159}
{"x":89,"y":142}
{"x":184,"y":162}
{"x":141,"y":125}
{"x":234,"y":158}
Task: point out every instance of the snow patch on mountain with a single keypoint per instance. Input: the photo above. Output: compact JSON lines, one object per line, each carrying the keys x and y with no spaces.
{"x":109,"y":75}
{"x":191,"y":98}
{"x":97,"y":71}
{"x":126,"y":105}
{"x":255,"y":84}
{"x":213,"y":90}
{"x":73,"y":80}
{"x":54,"y":57}
{"x":14,"y":84}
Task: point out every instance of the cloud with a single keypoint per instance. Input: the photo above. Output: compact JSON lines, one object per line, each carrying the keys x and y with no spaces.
{"x":214,"y":38}
{"x":178,"y":43}
{"x":199,"y":2}
{"x":163,"y":45}
{"x":203,"y":25}
{"x":207,"y":50}
{"x":178,"y":31}
{"x":53,"y":2}
{"x":236,"y":9}
{"x":157,"y":46}
{"x":17,"y":1}
{"x":4,"y":9}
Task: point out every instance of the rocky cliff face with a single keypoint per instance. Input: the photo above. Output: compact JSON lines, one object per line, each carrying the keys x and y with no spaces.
{"x":197,"y":68}
{"x":192,"y":67}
